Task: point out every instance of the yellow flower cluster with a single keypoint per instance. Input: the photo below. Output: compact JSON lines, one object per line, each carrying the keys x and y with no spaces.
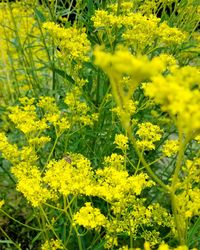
{"x":112,"y":182}
{"x":143,"y":31}
{"x":125,"y":7}
{"x":127,"y":110}
{"x":171,"y":35}
{"x":148,"y":134}
{"x":188,"y":198}
{"x":9,"y":151}
{"x":25,"y":170}
{"x":170,"y":147}
{"x":177,"y":94}
{"x":121,"y":141}
{"x":135,"y":217}
{"x":103,"y":18}
{"x":115,"y":186}
{"x":72,"y":42}
{"x":73,"y":176}
{"x":2,"y":202}
{"x":30,"y":183}
{"x":48,"y":104}
{"x":135,"y":68}
{"x":123,"y":62}
{"x":90,"y":217}
{"x":162,"y":246}
{"x":53,"y":115}
{"x":114,"y":160}
{"x":52,"y":245}
{"x":140,"y":31}
{"x":25,"y":117}
{"x":20,"y":38}
{"x":80,"y":111}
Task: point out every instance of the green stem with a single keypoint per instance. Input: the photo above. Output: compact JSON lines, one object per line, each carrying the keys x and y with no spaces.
{"x":119,"y":6}
{"x":11,"y":241}
{"x":74,"y":226}
{"x":178,"y":218}
{"x":51,"y":227}
{"x":179,"y":221}
{"x":9,"y":175}
{"x":178,"y":163}
{"x":125,"y":121}
{"x":10,"y":217}
{"x":145,"y":164}
{"x":52,"y":150}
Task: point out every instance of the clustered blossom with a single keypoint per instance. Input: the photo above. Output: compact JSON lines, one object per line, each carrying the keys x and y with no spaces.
{"x":52,"y":244}
{"x":90,"y":217}
{"x":148,"y":134}
{"x":170,"y":147}
{"x":20,"y":33}
{"x":140,"y":31}
{"x":2,"y":202}
{"x":121,"y":141}
{"x":79,"y":109}
{"x":177,"y":95}
{"x":72,"y":42}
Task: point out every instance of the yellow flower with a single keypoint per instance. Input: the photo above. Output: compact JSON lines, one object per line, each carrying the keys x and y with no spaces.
{"x":170,"y":147}
{"x":121,"y":141}
{"x":39,"y":141}
{"x":90,"y":217}
{"x":79,"y":110}
{"x":52,"y":245}
{"x":71,"y":175}
{"x":25,"y":118}
{"x":48,"y":104}
{"x":8,"y":150}
{"x":177,"y":95}
{"x":147,"y":246}
{"x":73,"y":43}
{"x":148,"y":134}
{"x":163,"y":247}
{"x":2,"y":202}
{"x":171,"y":36}
{"x":123,"y":62}
{"x":103,"y":18}
{"x":197,"y":138}
{"x":30,"y":184}
{"x":115,"y":161}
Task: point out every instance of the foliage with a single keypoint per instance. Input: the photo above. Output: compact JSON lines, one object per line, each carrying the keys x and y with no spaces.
{"x":100,"y":124}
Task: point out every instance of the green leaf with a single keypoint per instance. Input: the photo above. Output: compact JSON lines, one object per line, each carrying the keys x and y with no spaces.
{"x":64,"y":75}
{"x":193,"y":232}
{"x":40,"y":15}
{"x":6,"y":242}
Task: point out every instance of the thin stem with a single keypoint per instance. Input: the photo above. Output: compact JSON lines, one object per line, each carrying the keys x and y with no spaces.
{"x":70,"y":218}
{"x":51,"y":227}
{"x":145,"y":164}
{"x":178,"y":163}
{"x":8,"y":237}
{"x":10,"y":217}
{"x":179,"y":221}
{"x":119,"y":6}
{"x":125,"y":120}
{"x":52,"y":150}
{"x":9,"y":175}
